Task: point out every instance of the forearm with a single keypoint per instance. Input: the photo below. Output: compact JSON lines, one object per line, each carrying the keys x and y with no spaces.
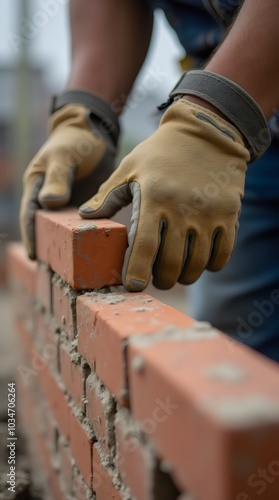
{"x":249,"y":55}
{"x":110,"y":41}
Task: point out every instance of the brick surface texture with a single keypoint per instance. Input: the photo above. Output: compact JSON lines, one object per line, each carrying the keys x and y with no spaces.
{"x":124,"y":397}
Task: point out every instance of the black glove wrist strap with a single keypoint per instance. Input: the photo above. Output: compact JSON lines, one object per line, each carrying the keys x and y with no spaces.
{"x":234,"y":102}
{"x":98,"y":106}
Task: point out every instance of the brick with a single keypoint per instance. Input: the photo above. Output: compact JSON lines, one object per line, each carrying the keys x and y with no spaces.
{"x":66,"y":467}
{"x":86,"y":254}
{"x":64,"y":306}
{"x":46,"y":341}
{"x":80,"y":489}
{"x":52,"y":432}
{"x":213,"y":413}
{"x":40,"y":456}
{"x":43,"y":286}
{"x":139,"y":466}
{"x":72,"y":375}
{"x":30,"y":361}
{"x":20,"y":268}
{"x":135,"y":458}
{"x":106,"y":321}
{"x":23,"y":306}
{"x":48,"y":426}
{"x":76,"y":434}
{"x":102,"y":480}
{"x":100,"y":413}
{"x":81,"y":447}
{"x":53,"y":390}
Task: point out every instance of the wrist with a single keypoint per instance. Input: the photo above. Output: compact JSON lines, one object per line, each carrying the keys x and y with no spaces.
{"x":98,"y":110}
{"x":231,"y":101}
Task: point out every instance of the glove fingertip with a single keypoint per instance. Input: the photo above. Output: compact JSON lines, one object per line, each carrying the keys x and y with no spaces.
{"x":32,"y":255}
{"x":48,"y":200}
{"x":30,"y":249}
{"x":134,"y":285}
{"x":85,"y":210}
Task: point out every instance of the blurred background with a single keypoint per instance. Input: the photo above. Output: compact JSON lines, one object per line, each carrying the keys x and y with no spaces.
{"x":35,"y":63}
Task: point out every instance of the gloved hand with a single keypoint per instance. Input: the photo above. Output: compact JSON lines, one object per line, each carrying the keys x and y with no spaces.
{"x":186,"y":183}
{"x":77,"y":157}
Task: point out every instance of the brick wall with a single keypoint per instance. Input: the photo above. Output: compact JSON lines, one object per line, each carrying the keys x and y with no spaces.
{"x":123,"y":396}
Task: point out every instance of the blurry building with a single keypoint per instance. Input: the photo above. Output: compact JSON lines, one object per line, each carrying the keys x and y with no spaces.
{"x":11,"y":121}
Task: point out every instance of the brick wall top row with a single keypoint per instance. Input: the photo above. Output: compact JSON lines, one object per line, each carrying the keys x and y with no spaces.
{"x":86,"y":254}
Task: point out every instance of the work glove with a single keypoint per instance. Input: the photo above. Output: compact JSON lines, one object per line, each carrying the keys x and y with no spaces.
{"x":74,"y":161}
{"x":186,"y":183}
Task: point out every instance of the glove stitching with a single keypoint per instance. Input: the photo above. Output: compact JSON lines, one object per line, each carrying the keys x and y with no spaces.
{"x":212,"y":114}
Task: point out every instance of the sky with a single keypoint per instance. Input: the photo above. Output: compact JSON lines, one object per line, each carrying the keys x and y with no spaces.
{"x":49,"y":36}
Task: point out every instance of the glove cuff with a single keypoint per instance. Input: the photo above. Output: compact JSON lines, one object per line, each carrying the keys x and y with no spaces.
{"x":238,"y":106}
{"x":98,"y":107}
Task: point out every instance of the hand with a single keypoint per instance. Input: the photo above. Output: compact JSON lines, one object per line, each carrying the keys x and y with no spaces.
{"x":186,"y":183}
{"x":77,"y":157}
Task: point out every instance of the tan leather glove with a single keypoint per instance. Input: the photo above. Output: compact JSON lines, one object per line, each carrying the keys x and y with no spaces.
{"x":77,"y":157}
{"x":186,"y":183}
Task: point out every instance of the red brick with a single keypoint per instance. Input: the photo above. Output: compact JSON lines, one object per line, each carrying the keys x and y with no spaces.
{"x":24,"y":307}
{"x":86,"y":254}
{"x":43,"y":286}
{"x":52,"y":433}
{"x":81,"y":447}
{"x":54,"y":391}
{"x":72,"y":376}
{"x":195,"y":400}
{"x":66,"y":468}
{"x":48,"y":426}
{"x":25,"y":370}
{"x":104,"y":325}
{"x":20,"y":268}
{"x":102,"y":480}
{"x":30,"y":361}
{"x":80,"y":489}
{"x":100,"y":413}
{"x":40,"y":456}
{"x":64,"y":306}
{"x":47,"y":341}
{"x":135,"y":460}
{"x":72,"y":429}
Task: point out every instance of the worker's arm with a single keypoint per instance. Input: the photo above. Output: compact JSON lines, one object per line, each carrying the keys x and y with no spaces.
{"x":109,"y":43}
{"x":249,"y":56}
